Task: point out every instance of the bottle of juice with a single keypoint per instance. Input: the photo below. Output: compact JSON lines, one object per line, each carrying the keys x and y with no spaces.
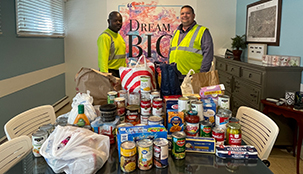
{"x":81,"y":119}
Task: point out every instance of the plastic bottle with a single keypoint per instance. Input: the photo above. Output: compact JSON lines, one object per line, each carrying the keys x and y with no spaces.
{"x":63,"y":142}
{"x":81,"y":119}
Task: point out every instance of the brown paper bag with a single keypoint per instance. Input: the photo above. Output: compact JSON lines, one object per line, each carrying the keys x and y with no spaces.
{"x":98,"y":83}
{"x":203,"y":79}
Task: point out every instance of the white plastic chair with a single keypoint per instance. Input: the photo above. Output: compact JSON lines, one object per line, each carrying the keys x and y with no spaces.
{"x":13,"y":151}
{"x":258,"y":130}
{"x":29,"y":121}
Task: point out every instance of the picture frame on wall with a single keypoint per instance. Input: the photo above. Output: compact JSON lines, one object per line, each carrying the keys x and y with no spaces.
{"x":263,"y":22}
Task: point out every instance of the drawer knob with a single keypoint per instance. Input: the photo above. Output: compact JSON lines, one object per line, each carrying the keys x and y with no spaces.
{"x":250,"y":75}
{"x":231,"y":69}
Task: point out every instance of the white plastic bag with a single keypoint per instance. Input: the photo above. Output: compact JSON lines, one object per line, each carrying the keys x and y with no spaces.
{"x":186,"y":86}
{"x":84,"y":152}
{"x":89,"y":110}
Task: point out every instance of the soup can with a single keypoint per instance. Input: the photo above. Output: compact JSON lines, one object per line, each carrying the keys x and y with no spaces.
{"x":223,"y":101}
{"x":198,"y":106}
{"x":134,"y":98}
{"x":178,"y":141}
{"x":123,"y":93}
{"x":183,"y":104}
{"x":145,"y":84}
{"x":155,"y":120}
{"x":154,"y":94}
{"x":38,"y":138}
{"x":111,"y":95}
{"x":161,"y":152}
{"x":144,"y":119}
{"x":48,"y":128}
{"x":145,"y":154}
{"x":128,"y":160}
{"x":145,"y":106}
{"x":218,"y":134}
{"x":120,"y":103}
{"x":132,"y":114}
{"x":157,"y":106}
{"x":222,"y":117}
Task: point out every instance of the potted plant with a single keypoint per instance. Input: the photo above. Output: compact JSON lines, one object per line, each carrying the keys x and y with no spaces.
{"x":237,"y":43}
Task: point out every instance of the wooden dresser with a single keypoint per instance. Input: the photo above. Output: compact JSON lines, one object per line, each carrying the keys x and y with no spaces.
{"x":247,"y":83}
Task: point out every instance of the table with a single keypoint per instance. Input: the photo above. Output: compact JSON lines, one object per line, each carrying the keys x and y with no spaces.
{"x":193,"y":163}
{"x":287,"y":111}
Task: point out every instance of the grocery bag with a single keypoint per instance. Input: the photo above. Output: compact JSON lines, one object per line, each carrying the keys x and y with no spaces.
{"x":203,"y":79}
{"x":130,"y":76}
{"x":73,"y":149}
{"x":186,"y":86}
{"x":98,"y":83}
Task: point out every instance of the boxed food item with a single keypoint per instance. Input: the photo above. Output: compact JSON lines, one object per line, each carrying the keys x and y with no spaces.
{"x":170,"y":102}
{"x":136,"y":133}
{"x":209,"y":110}
{"x":175,"y":121}
{"x":198,"y":144}
{"x":212,"y":92}
{"x":237,"y":152}
{"x":105,"y":128}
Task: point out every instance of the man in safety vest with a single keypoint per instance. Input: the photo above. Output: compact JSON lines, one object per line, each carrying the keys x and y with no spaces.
{"x":111,"y":46}
{"x":191,"y":46}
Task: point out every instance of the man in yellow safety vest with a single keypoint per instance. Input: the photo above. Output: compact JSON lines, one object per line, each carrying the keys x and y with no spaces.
{"x":111,"y":46}
{"x":191,"y":46}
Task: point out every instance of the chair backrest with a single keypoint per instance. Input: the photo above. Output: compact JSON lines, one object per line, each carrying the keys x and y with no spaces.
{"x":27,"y":122}
{"x":13,"y":151}
{"x":258,"y":130}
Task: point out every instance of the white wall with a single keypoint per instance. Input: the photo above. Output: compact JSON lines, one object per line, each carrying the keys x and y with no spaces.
{"x":87,"y":19}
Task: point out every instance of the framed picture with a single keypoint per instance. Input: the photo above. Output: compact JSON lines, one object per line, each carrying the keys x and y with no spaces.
{"x":263,"y":22}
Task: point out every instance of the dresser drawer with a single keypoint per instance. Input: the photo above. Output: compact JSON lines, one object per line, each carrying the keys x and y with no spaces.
{"x":254,"y":76}
{"x":226,"y":80}
{"x":237,"y":102}
{"x":221,"y":65}
{"x":234,"y":70}
{"x":250,"y":93}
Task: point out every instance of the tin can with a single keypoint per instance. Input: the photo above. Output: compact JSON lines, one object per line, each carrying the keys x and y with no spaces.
{"x":119,"y":102}
{"x":161,"y":152}
{"x":123,"y":93}
{"x":145,"y":84}
{"x":134,"y":98}
{"x":218,"y":135}
{"x":145,"y":95}
{"x":234,"y":134}
{"x":140,"y":124}
{"x":38,"y":138}
{"x":155,"y":120}
{"x":192,"y":98}
{"x":183,"y":104}
{"x":178,"y":145}
{"x":223,"y":101}
{"x":205,"y":128}
{"x":48,"y":128}
{"x":111,"y":95}
{"x":122,"y":118}
{"x":132,"y":114}
{"x":157,"y":106}
{"x":144,"y":119}
{"x":222,"y":117}
{"x":128,"y":160}
{"x":145,"y":106}
{"x":198,"y":106}
{"x":145,"y":154}
{"x":154,"y":94}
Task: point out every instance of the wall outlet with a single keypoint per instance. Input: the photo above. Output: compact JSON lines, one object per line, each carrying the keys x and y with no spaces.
{"x":256,"y":51}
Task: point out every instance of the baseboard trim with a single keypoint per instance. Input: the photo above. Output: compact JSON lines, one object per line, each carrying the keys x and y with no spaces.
{"x":61,"y":103}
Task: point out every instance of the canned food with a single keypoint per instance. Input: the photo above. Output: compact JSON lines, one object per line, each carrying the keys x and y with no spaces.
{"x":178,"y":145}
{"x":132,"y":114}
{"x":161,"y":152}
{"x":145,"y":106}
{"x":119,"y":102}
{"x":218,"y":134}
{"x":134,"y":98}
{"x":145,"y":154}
{"x":157,"y":106}
{"x":222,"y":117}
{"x":48,"y":128}
{"x":234,"y":134}
{"x":155,"y":120}
{"x":123,"y":93}
{"x":205,"y":128}
{"x":128,"y":156}
{"x":111,"y":95}
{"x":38,"y":138}
{"x":198,"y":106}
{"x":183,"y":104}
{"x":192,"y":124}
{"x":108,"y":112}
{"x":145,"y":83}
{"x":144,"y":119}
{"x":122,"y":118}
{"x":223,"y":101}
{"x":154,"y":94}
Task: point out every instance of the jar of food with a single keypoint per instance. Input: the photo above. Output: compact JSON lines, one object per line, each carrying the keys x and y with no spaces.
{"x":233,"y":134}
{"x":192,"y":124}
{"x":128,"y":160}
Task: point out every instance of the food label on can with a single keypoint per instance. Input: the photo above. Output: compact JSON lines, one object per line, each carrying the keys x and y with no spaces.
{"x":192,"y":129}
{"x":145,"y":107}
{"x":221,"y":121}
{"x":234,"y":139}
{"x":219,"y":136}
{"x":143,"y":119}
{"x":183,"y":104}
{"x":145,"y":83}
{"x":178,"y":148}
{"x":205,"y":131}
{"x":111,"y":95}
{"x":37,"y":140}
{"x":145,"y":157}
{"x":161,"y":156}
{"x":157,"y":106}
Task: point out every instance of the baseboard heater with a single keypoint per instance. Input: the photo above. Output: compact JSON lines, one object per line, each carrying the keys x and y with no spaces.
{"x":57,"y":106}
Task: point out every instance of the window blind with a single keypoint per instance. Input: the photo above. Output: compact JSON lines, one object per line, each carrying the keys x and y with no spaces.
{"x":40,"y":18}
